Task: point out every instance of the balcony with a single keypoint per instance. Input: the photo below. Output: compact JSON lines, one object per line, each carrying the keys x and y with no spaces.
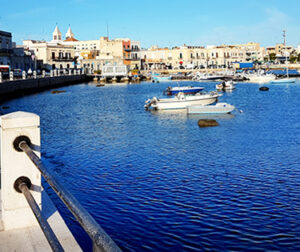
{"x":61,"y":59}
{"x":135,"y":49}
{"x":127,"y":49}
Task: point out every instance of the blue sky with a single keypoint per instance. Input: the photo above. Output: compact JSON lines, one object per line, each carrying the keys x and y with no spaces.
{"x":157,"y":22}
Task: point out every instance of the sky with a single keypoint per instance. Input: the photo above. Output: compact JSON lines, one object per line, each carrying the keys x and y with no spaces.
{"x":165,"y":23}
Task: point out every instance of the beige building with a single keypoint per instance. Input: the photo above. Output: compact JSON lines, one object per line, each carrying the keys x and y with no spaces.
{"x":279,"y":50}
{"x":192,"y":57}
{"x":54,"y":54}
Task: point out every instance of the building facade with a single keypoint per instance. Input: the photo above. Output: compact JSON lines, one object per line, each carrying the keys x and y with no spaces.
{"x":15,"y":57}
{"x":54,"y":54}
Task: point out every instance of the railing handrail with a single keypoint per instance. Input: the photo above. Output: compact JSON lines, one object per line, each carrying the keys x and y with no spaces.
{"x":22,"y":185}
{"x":101,"y":240}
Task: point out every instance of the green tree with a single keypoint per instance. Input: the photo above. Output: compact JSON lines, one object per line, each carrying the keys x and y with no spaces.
{"x":293,"y":58}
{"x":272,"y":56}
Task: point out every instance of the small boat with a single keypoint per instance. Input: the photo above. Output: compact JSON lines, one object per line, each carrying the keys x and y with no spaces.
{"x":206,"y":77}
{"x":283,"y":80}
{"x":226,"y":85}
{"x":156,"y":78}
{"x":219,"y":108}
{"x":185,"y":90}
{"x":182,"y":101}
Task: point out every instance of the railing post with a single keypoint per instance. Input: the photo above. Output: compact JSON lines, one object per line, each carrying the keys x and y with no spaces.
{"x":23,"y":75}
{"x":16,"y":212}
{"x":0,"y":77}
{"x":11,"y":75}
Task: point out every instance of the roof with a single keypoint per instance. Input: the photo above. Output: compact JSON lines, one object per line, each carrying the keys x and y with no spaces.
{"x":70,"y":39}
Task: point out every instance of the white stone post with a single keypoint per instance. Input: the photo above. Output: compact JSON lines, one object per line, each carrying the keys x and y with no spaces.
{"x":70,"y":71}
{"x":11,"y":75}
{"x":51,"y":73}
{"x":34,"y":74}
{"x":16,"y":212}
{"x":43,"y":73}
{"x":0,"y":77}
{"x":23,"y":75}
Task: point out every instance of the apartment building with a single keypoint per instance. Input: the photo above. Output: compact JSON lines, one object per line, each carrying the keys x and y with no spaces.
{"x":15,"y":57}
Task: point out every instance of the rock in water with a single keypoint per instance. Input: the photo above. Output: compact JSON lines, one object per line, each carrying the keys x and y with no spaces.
{"x":207,"y":123}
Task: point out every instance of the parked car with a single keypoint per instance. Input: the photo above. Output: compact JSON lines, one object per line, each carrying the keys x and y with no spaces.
{"x":17,"y":72}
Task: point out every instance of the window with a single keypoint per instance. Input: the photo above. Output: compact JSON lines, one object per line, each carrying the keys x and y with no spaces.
{"x":180,"y":55}
{"x":53,"y":55}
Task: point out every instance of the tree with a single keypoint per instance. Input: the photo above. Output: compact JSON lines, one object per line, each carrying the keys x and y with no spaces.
{"x":272,"y":56}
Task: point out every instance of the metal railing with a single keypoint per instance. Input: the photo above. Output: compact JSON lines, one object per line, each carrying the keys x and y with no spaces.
{"x":101,"y":240}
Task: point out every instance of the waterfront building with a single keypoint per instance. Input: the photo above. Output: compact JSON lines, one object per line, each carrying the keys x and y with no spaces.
{"x":280,"y":50}
{"x":54,"y":54}
{"x":253,"y":50}
{"x":192,"y":57}
{"x":14,"y":56}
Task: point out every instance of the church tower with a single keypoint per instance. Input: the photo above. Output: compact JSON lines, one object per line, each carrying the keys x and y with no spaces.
{"x":69,"y":33}
{"x":56,"y":35}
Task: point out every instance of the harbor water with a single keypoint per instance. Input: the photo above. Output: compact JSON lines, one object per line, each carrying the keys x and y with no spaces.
{"x":155,"y":181}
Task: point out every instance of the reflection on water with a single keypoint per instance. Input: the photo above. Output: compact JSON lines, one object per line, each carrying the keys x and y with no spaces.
{"x":211,"y":116}
{"x":154,"y":181}
{"x":173,"y":114}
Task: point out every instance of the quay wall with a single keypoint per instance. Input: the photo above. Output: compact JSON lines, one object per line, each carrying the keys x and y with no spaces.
{"x":15,"y":88}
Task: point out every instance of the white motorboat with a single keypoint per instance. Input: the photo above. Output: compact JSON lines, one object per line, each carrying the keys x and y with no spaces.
{"x":219,"y":108}
{"x":226,"y":85}
{"x":283,"y":80}
{"x":206,"y":77}
{"x":260,"y":78}
{"x":181,"y":101}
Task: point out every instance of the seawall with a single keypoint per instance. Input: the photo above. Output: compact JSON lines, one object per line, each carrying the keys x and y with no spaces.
{"x":13,"y":89}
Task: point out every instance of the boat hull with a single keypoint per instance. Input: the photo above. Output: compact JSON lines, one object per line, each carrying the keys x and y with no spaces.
{"x":185,"y":91}
{"x":183,"y":104}
{"x":290,"y":80}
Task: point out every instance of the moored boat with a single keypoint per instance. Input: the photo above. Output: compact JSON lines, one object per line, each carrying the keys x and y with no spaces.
{"x":161,"y":78}
{"x":185,"y":90}
{"x":226,"y":85}
{"x":181,"y":101}
{"x":219,"y":108}
{"x":283,"y":80}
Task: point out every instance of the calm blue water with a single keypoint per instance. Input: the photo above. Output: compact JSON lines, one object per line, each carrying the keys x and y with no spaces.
{"x":158,"y":182}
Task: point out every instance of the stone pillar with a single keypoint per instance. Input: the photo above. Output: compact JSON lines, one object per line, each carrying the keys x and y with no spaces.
{"x":23,"y":75}
{"x":70,"y":71}
{"x":34,"y":74}
{"x":11,"y":75}
{"x":16,"y":212}
{"x":51,"y":73}
{"x":1,"y":77}
{"x":43,"y":73}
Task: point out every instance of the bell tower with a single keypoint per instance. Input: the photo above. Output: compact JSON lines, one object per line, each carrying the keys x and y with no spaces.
{"x":56,"y":35}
